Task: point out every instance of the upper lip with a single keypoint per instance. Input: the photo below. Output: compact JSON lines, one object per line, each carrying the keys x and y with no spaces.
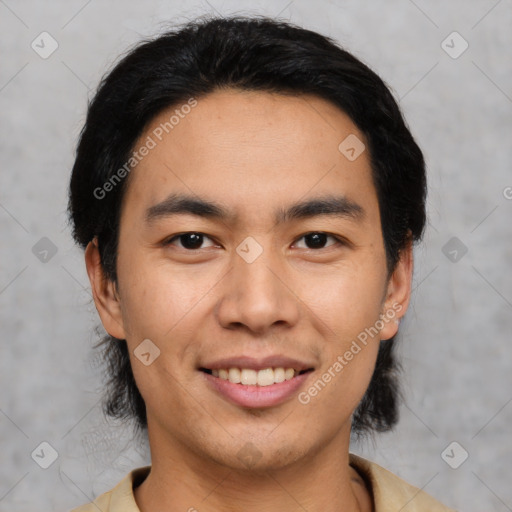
{"x":274,"y":361}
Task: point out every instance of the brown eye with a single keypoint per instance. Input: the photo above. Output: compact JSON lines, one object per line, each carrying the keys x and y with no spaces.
{"x":317,"y":240}
{"x":191,"y":241}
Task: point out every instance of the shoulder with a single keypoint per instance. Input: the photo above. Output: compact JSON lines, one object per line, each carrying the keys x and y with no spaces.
{"x":100,"y":503}
{"x":120,"y":498}
{"x":391,"y":493}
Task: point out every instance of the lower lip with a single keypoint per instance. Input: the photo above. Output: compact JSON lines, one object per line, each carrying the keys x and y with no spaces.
{"x":257,"y":396}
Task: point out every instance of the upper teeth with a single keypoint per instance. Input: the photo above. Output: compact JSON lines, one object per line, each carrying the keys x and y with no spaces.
{"x":249,"y":377}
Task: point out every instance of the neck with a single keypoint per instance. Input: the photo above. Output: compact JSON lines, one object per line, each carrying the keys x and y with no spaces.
{"x":181,"y":481}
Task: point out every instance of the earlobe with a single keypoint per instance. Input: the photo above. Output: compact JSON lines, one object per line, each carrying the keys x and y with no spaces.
{"x":104,"y":293}
{"x":398,"y":293}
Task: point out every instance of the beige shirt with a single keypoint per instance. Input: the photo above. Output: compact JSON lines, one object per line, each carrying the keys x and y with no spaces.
{"x":390,"y":493}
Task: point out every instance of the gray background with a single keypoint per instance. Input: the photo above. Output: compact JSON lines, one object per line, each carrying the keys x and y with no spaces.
{"x":455,"y":347}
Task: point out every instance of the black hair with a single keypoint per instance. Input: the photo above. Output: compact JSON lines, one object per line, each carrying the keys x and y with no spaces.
{"x":255,"y":54}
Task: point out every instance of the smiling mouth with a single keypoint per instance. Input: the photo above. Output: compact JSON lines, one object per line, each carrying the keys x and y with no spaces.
{"x":250,"y":377}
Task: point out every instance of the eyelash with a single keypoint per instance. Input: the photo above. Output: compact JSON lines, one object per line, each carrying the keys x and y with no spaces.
{"x":337,"y":239}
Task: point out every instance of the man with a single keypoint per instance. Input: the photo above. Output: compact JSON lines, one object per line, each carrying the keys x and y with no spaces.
{"x":247,"y":195}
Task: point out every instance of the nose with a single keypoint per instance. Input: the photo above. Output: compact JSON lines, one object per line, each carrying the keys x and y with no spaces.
{"x":257,"y":297}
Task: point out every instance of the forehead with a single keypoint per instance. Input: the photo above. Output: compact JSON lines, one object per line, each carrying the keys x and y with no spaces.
{"x":250,"y":148}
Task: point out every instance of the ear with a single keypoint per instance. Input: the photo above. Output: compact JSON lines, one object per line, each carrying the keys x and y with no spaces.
{"x":398,"y":293}
{"x":104,"y":293}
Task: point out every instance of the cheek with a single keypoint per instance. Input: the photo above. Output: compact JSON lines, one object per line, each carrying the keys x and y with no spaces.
{"x":159,"y":299}
{"x":160,"y":304}
{"x":349,"y":298}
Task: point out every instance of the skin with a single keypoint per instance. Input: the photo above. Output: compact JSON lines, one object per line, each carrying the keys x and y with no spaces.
{"x":254,"y":153}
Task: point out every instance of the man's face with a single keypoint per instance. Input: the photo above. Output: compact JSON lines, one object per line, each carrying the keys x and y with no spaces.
{"x":284,"y":267}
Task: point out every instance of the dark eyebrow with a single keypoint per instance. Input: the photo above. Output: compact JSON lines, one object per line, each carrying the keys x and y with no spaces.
{"x":177,"y":204}
{"x":183,"y":204}
{"x":338,"y":206}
